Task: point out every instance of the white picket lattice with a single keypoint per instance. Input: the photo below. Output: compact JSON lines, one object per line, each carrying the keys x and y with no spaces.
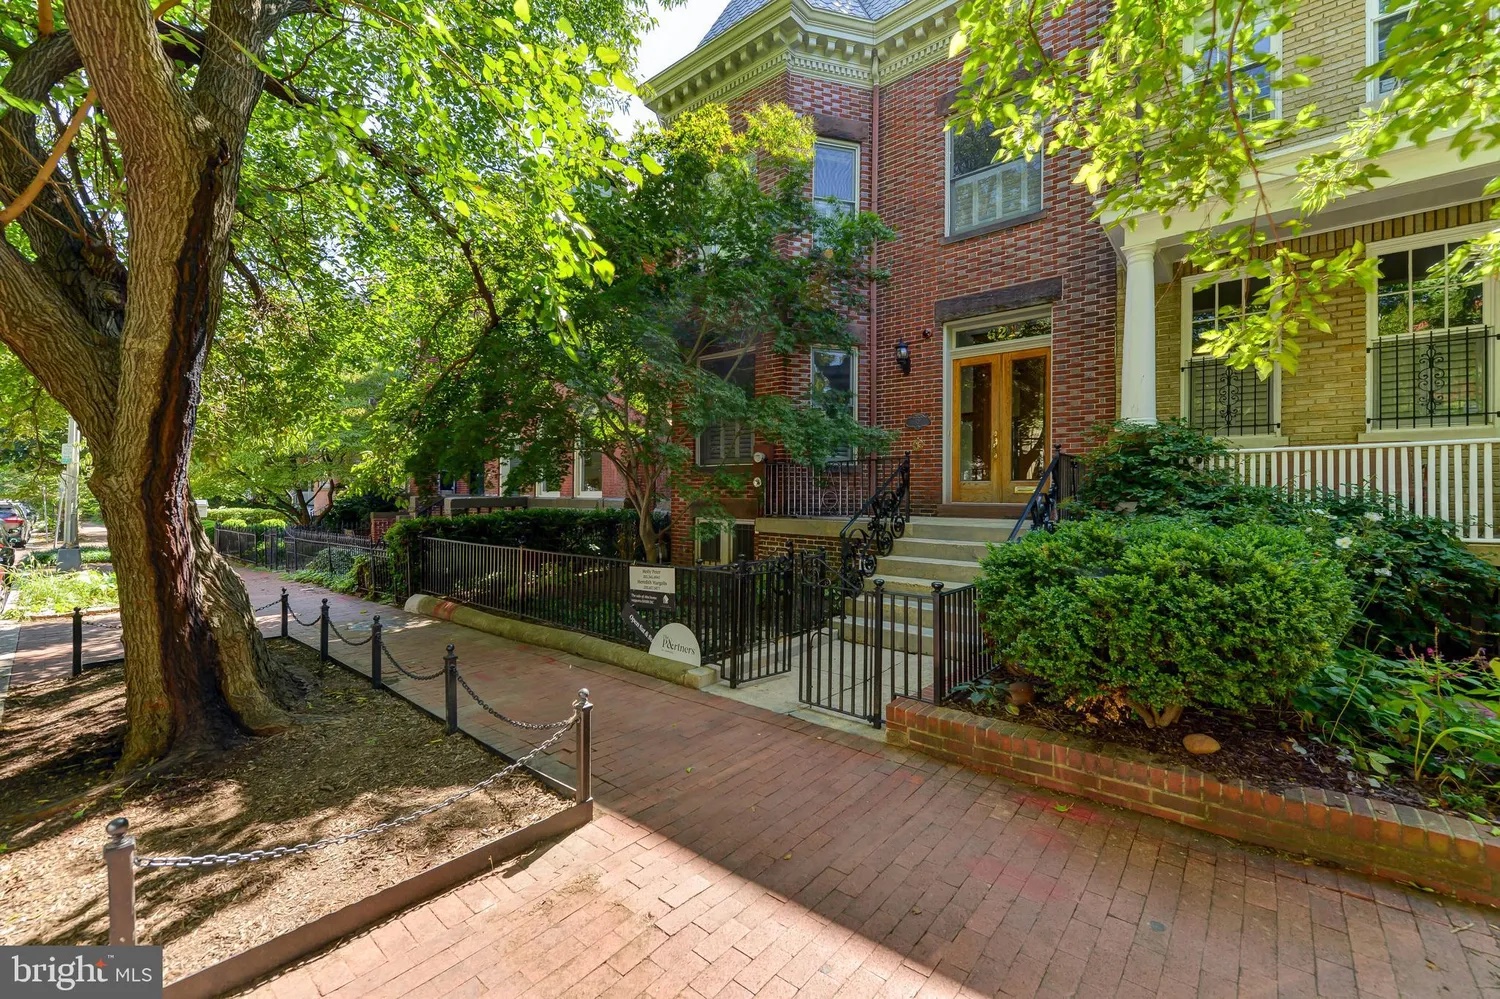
{"x":1454,"y":480}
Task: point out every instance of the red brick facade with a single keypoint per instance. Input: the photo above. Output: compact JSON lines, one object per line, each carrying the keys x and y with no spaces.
{"x":1059,"y":259}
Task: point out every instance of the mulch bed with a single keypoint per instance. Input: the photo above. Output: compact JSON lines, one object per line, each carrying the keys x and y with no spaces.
{"x":356,"y":758}
{"x":1266,"y":749}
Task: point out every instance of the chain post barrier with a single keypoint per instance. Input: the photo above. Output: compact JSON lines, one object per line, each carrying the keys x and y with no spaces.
{"x":450,"y":689}
{"x":119,"y":867}
{"x":323,"y":631}
{"x":583,"y":706}
{"x":77,"y":641}
{"x":285,"y":608}
{"x":375,"y":654}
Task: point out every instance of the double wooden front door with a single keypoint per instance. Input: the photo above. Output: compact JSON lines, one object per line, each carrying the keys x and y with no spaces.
{"x":1000,"y":432}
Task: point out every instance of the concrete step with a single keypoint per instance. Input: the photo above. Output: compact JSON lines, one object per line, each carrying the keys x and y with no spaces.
{"x":898,"y":639}
{"x":949,"y":570}
{"x":905,"y":584}
{"x":939,"y":548}
{"x":969,"y":529}
{"x":992,"y":510}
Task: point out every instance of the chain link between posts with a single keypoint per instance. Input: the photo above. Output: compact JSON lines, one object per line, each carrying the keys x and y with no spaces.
{"x":277,"y":852}
{"x":509,"y":721}
{"x":386,"y":649}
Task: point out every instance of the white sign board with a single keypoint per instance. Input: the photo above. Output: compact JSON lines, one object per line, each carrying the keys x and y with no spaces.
{"x":67,"y":454}
{"x":653,"y":585}
{"x":677,"y":642}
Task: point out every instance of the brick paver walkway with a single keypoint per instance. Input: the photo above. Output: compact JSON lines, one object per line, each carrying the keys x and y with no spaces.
{"x":44,"y":650}
{"x":741,"y":853}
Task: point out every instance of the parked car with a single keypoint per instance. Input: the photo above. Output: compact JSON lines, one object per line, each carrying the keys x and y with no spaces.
{"x":14,"y":524}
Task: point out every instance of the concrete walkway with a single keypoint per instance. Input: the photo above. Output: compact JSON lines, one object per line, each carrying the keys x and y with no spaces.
{"x":744,"y":853}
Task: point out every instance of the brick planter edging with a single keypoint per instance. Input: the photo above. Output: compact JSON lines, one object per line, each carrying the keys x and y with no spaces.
{"x":1441,"y":852}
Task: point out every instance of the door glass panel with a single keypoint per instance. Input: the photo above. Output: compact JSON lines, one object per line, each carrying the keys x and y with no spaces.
{"x":976,"y":422}
{"x":1028,"y":409}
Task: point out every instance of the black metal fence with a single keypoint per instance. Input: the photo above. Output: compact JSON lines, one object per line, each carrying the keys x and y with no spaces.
{"x":838,"y":489}
{"x":332,"y":558}
{"x":878,"y":644}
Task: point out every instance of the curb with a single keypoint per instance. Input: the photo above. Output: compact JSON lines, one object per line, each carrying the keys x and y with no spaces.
{"x":587,"y":646}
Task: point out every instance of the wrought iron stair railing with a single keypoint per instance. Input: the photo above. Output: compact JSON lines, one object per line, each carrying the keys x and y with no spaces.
{"x":1059,"y":482}
{"x":872,"y":532}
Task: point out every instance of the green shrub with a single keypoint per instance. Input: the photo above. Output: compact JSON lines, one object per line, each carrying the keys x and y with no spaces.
{"x":609,"y":533}
{"x":1157,"y":614}
{"x":1158,"y":467}
{"x":250,"y":515}
{"x":234,"y":524}
{"x":269,"y":522}
{"x":48,"y":591}
{"x":1415,"y":583}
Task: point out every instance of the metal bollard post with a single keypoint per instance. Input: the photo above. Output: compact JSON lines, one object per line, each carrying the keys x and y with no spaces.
{"x":875,"y":705}
{"x":285,"y":607}
{"x":119,"y":868}
{"x":450,"y":684}
{"x":78,"y":641}
{"x":584,"y":790}
{"x":323,"y":632}
{"x":375,"y":653}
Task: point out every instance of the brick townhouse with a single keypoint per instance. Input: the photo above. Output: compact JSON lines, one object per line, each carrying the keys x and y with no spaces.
{"x":994,"y":339}
{"x":1014,"y":321}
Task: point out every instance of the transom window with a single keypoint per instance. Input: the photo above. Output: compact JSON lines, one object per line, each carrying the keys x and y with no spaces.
{"x":729,"y":442}
{"x":835,"y":177}
{"x":1003,"y":332}
{"x":1216,"y":398}
{"x":1384,"y":16}
{"x":1431,"y":349}
{"x":982,"y":192}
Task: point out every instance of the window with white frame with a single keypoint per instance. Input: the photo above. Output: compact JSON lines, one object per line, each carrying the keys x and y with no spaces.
{"x":734,"y":543}
{"x":1217,"y":45}
{"x":1431,"y":346}
{"x":549,"y":488}
{"x":835,"y":177}
{"x":1216,"y":398}
{"x":588,"y":474}
{"x":1384,"y":16}
{"x":729,"y":442}
{"x":982,"y":192}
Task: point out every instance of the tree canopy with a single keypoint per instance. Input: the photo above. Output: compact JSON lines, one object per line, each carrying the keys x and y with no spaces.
{"x":1167,"y":105}
{"x":714,"y":248}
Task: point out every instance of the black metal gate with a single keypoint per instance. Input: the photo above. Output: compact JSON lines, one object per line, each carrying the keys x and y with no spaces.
{"x":877,"y":644}
{"x":776,"y":605}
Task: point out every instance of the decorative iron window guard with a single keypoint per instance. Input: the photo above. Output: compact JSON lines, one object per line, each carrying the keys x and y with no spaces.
{"x":1432,"y":378}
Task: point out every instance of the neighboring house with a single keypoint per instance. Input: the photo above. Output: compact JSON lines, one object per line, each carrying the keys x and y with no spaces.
{"x":994,"y":339}
{"x":588,"y":482}
{"x":1013,"y":322}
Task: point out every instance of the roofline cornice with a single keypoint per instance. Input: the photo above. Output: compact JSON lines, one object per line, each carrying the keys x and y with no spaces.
{"x":791,"y":35}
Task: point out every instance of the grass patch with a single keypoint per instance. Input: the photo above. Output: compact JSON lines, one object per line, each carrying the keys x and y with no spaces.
{"x":45,"y":590}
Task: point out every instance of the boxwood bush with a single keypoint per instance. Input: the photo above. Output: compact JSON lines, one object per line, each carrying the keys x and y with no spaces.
{"x":1158,"y":614}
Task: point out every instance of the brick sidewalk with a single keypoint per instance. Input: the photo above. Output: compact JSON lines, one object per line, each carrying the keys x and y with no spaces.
{"x":741,"y":853}
{"x":44,"y":650}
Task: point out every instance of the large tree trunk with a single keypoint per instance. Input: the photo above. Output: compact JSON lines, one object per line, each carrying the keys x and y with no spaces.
{"x":124,"y":352}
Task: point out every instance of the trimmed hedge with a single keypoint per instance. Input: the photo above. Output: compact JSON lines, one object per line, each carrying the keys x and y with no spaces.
{"x":248,"y":516}
{"x":1158,"y":614}
{"x":607,"y":533}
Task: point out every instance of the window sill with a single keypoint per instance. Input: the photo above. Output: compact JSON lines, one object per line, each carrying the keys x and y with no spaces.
{"x":985,"y":230}
{"x":1434,"y":435}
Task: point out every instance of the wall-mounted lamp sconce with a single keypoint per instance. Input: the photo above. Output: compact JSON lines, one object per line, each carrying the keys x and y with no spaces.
{"x":903,"y":356}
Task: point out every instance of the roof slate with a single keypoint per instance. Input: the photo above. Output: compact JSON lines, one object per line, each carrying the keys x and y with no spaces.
{"x":736,"y":11}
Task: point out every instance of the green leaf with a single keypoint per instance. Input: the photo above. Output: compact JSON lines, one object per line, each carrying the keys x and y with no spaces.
{"x":523,"y":11}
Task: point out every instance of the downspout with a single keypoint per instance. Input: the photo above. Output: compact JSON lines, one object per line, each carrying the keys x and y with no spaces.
{"x":873,"y":297}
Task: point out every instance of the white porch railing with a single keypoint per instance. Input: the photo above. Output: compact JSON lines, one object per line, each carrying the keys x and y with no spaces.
{"x":1454,"y":480}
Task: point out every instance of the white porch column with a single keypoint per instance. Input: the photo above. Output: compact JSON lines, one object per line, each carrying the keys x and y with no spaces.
{"x":1138,"y":351}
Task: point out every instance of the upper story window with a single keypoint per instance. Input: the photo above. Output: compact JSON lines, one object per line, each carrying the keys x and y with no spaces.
{"x":835,"y":177}
{"x":982,"y":192}
{"x":1216,"y":398}
{"x":1384,"y":16}
{"x":729,"y":442}
{"x":1431,"y":346}
{"x":835,"y":377}
{"x":1251,"y":66}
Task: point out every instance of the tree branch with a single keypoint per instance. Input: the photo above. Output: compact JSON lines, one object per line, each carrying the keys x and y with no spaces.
{"x":257,"y":290}
{"x":13,"y":211}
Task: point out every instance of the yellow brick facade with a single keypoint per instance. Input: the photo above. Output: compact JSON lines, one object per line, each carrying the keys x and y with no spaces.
{"x":1324,"y":402}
